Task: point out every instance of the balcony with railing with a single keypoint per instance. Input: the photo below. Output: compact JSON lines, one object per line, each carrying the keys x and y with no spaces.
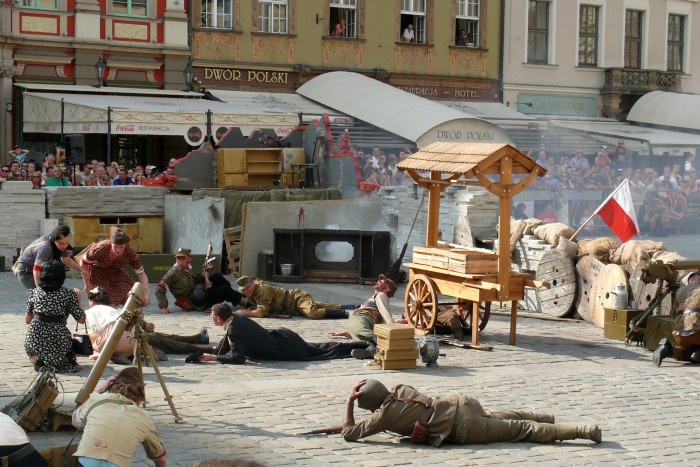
{"x":632,"y":80}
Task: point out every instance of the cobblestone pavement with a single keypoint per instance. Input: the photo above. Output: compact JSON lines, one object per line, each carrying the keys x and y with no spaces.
{"x":255,"y":411}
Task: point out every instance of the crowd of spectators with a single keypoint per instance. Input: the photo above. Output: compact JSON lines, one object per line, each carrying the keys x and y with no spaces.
{"x":54,"y":171}
{"x":380,"y":168}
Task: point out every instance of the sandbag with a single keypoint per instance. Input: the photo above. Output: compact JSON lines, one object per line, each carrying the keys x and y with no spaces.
{"x":516,"y":232}
{"x":636,"y":252}
{"x":530,"y":226}
{"x":599,"y":248}
{"x":550,"y":233}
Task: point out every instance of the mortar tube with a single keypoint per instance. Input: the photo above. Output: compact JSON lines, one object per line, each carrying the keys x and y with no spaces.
{"x":131,"y":308}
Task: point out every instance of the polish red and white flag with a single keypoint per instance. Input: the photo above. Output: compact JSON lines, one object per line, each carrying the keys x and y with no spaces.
{"x":617,"y":211}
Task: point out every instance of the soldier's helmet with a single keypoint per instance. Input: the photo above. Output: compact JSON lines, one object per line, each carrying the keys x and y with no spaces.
{"x":198,"y":296}
{"x":373,"y":394}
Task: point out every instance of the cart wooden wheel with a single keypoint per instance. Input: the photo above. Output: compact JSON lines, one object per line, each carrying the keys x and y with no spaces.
{"x":465,"y":309}
{"x":421,"y":303}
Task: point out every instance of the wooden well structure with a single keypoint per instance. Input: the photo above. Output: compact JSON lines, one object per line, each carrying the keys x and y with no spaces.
{"x":471,"y":276}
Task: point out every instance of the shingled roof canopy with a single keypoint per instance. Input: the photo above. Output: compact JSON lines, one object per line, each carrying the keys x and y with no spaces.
{"x":463,"y":158}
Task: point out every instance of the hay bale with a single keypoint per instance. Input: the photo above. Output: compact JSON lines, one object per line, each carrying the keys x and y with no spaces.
{"x":636,"y":252}
{"x":600,"y":248}
{"x":550,"y":233}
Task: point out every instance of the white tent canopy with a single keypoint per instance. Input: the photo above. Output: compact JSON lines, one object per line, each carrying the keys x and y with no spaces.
{"x":283,"y":103}
{"x":669,"y":109}
{"x":404,"y":114}
{"x":658,"y":141}
{"x":142,"y":115}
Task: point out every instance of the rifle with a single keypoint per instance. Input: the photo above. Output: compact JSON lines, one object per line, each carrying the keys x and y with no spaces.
{"x":324,"y":431}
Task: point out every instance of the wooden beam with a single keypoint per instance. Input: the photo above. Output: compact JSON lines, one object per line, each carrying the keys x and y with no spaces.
{"x":422,"y":182}
{"x":504,"y":228}
{"x":433,"y":210}
{"x":526,"y":182}
{"x":494,"y":188}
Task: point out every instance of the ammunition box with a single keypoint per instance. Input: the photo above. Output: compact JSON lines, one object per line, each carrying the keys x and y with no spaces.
{"x":657,"y":328}
{"x":396,"y":344}
{"x":394,"y":331}
{"x":617,"y":322}
{"x":408,"y":364}
{"x":394,"y":355}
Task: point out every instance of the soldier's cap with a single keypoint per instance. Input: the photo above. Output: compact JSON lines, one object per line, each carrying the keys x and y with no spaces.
{"x":243,"y":282}
{"x":183,"y":252}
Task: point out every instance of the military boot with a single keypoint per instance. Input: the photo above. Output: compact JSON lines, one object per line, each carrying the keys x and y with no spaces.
{"x":456,"y":328}
{"x":664,"y":350}
{"x":364,"y":354}
{"x":591,"y":432}
{"x":695,"y":356}
{"x":336,"y":313}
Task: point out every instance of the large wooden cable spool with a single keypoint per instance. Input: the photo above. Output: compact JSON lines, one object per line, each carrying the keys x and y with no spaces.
{"x":587,"y":269}
{"x":421,"y":303}
{"x":603,"y":291}
{"x":556,"y":268}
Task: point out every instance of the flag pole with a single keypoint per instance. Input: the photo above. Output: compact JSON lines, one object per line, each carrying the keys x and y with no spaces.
{"x":573,"y":237}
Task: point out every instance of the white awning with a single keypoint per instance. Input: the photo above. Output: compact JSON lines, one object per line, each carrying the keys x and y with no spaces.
{"x":491,"y":111}
{"x":669,"y":109}
{"x":74,"y":88}
{"x":284,"y":103}
{"x":411,"y":117}
{"x":143,"y":115}
{"x":654,"y":141}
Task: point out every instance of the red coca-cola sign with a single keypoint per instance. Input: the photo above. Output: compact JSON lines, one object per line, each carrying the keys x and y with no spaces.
{"x":125,"y":128}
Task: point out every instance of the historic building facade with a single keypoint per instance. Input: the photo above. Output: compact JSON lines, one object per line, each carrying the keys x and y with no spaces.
{"x":137,"y":43}
{"x":595,"y":58}
{"x":440,"y":49}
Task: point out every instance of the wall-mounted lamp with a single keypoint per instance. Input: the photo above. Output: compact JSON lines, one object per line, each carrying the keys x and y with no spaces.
{"x":100,"y":71}
{"x":526,"y":104}
{"x":318,"y":20}
{"x":8,"y":107}
{"x":188,"y":75}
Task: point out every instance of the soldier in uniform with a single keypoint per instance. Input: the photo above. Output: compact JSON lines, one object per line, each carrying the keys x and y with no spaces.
{"x":686,"y":329}
{"x":194,"y":292}
{"x":375,"y":310}
{"x":267,"y":299}
{"x":459,"y":419}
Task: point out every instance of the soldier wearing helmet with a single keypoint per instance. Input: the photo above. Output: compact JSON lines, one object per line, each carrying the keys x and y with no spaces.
{"x":459,"y":419}
{"x":194,"y":292}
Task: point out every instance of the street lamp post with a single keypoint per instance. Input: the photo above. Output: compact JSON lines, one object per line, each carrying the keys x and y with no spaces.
{"x":100,"y":70}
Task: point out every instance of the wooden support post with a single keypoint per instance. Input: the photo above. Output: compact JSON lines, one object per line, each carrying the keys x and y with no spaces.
{"x":504,"y":228}
{"x":433,"y":210}
{"x":475,"y":323}
{"x":513,"y":320}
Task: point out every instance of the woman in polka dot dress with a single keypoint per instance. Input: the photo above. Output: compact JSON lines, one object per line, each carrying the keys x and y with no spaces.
{"x":48,"y":340}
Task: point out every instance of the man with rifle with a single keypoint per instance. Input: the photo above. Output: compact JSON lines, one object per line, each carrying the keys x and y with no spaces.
{"x":458,"y":418}
{"x":195,"y":292}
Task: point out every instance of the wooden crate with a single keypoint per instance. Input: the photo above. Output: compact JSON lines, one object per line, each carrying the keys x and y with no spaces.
{"x":232,"y":240}
{"x":403,"y":354}
{"x":396,"y":344}
{"x":463,"y":260}
{"x":145,"y":231}
{"x":408,"y":364}
{"x":393,"y":331}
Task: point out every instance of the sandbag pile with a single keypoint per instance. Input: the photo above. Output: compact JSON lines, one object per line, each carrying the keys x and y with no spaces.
{"x":603,"y":261}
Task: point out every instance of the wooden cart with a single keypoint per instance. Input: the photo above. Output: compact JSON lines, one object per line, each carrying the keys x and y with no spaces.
{"x":472,"y":277}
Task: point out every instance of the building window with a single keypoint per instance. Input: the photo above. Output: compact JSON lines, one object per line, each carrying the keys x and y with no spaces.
{"x":676,"y":47}
{"x":130,"y":7}
{"x":39,"y":4}
{"x":272,"y":16}
{"x":633,"y":39}
{"x":217,"y":14}
{"x":467,"y":23}
{"x":343,"y":17}
{"x":588,"y":35}
{"x":538,"y":32}
{"x":413,"y":21}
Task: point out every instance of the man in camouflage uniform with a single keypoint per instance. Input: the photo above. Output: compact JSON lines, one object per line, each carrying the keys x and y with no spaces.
{"x":269,"y":300}
{"x":458,"y":418}
{"x":194,"y":292}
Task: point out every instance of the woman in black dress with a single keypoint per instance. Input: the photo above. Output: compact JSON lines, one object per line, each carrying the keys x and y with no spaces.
{"x":48,"y":340}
